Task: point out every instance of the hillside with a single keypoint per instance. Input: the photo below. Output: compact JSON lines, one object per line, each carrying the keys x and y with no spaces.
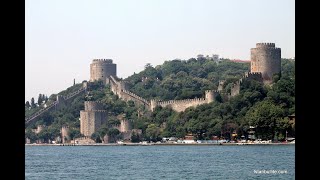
{"x":183,"y":79}
{"x":265,"y":107}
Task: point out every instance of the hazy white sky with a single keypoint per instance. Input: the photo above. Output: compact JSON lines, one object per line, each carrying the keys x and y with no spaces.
{"x":62,"y":37}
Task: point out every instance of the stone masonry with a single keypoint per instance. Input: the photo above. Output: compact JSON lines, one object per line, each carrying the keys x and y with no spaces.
{"x":92,"y":117}
{"x":100,"y":69}
{"x":119,"y":88}
{"x":60,"y":102}
{"x":266,"y":59}
{"x":65,"y":134}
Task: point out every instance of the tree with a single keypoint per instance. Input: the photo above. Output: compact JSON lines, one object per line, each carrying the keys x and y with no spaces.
{"x":135,"y":138}
{"x":102,"y":132}
{"x":40,"y":99}
{"x":152,"y":132}
{"x":113,"y":122}
{"x":264,"y":116}
{"x":31,"y":135}
{"x":46,"y":99}
{"x":113,"y":133}
{"x":96,"y":137}
{"x":33,"y":105}
{"x":27,"y":105}
{"x":148,"y":65}
{"x":74,"y":133}
{"x":44,"y":135}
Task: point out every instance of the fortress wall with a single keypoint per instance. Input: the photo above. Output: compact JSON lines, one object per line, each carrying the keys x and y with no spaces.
{"x":115,"y":85}
{"x":60,"y":102}
{"x":253,"y":76}
{"x":70,"y":97}
{"x":127,"y":96}
{"x":181,"y":105}
{"x":120,"y":88}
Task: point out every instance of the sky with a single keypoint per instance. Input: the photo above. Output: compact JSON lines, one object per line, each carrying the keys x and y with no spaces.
{"x":63,"y":37}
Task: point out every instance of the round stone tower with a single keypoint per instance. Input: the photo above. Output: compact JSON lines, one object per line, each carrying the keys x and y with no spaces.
{"x":65,"y":134}
{"x":125,"y":125}
{"x":100,"y":69}
{"x":210,"y":95}
{"x":266,"y":58}
{"x":153,"y":104}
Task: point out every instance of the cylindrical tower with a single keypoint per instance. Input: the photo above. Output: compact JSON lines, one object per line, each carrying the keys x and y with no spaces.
{"x":266,"y":58}
{"x":221,"y":83}
{"x":153,"y":104}
{"x":210,"y":95}
{"x":65,"y":134}
{"x":125,"y":125}
{"x":100,"y":69}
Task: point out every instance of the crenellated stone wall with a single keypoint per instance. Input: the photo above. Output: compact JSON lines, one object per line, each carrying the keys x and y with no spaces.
{"x":181,"y":105}
{"x":60,"y":102}
{"x":120,"y":88}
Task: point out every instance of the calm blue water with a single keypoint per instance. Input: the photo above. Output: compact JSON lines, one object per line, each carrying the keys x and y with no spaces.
{"x":159,"y":162}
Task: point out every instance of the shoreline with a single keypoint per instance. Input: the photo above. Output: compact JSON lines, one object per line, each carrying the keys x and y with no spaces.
{"x":162,"y":144}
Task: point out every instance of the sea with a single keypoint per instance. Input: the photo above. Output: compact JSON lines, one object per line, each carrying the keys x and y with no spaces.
{"x":160,"y":162}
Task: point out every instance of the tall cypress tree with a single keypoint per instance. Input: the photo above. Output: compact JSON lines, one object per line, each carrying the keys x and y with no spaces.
{"x":33,"y":105}
{"x":40,"y":99}
{"x":27,"y":104}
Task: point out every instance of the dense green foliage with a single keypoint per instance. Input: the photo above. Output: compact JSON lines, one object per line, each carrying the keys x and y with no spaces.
{"x":264,"y":107}
{"x":178,"y":79}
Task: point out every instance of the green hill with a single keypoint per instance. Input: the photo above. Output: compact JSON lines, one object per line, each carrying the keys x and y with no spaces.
{"x":265,"y":107}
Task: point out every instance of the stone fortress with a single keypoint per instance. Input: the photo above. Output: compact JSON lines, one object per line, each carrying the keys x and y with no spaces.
{"x":265,"y":62}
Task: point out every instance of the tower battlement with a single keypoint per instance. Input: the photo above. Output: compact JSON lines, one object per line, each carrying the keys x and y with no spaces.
{"x":210,"y":91}
{"x":263,"y":45}
{"x":181,"y":105}
{"x":102,"y":61}
{"x":100,"y":69}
